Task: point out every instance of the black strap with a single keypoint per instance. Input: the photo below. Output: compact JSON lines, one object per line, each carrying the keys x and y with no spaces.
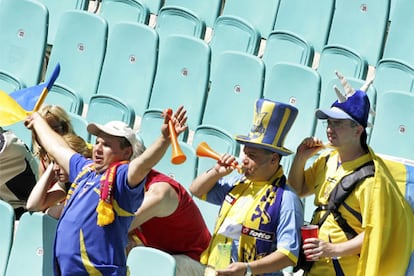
{"x":340,"y":193}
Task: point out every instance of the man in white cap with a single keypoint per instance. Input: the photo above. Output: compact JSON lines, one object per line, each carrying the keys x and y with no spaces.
{"x":362,"y":215}
{"x":92,"y":231}
{"x":258,"y":227}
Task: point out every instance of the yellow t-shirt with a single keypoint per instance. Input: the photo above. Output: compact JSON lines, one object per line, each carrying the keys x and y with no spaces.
{"x":322,"y":177}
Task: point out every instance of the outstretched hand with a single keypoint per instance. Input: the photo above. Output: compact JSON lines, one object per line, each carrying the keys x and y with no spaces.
{"x":178,"y":119}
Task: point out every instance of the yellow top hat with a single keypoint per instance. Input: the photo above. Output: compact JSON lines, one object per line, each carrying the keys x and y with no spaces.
{"x":271,"y":123}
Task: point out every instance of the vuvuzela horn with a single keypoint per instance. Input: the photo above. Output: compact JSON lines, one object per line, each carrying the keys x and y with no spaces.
{"x":177,"y":156}
{"x":204,"y":150}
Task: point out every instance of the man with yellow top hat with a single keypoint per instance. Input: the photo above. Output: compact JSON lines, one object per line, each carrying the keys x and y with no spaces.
{"x":258,"y":227}
{"x":368,"y":230}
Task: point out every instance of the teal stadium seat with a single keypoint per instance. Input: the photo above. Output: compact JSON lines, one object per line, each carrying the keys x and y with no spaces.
{"x":236,"y":84}
{"x":130,"y":64}
{"x":393,"y":130}
{"x":68,"y":99}
{"x":6,"y":234}
{"x":116,"y":11}
{"x":261,"y":14}
{"x":300,"y":86}
{"x":232,"y":33}
{"x":182,"y":77}
{"x":399,"y":37}
{"x":310,"y":20}
{"x":391,"y":74}
{"x":57,"y":9}
{"x":23,"y":34}
{"x":174,"y":20}
{"x":32,"y":250}
{"x":208,"y":11}
{"x":154,"y":6}
{"x":284,"y":46}
{"x":209,"y":211}
{"x":361,"y":26}
{"x":148,"y":261}
{"x":79,"y":47}
{"x":105,"y":108}
{"x":80,"y":124}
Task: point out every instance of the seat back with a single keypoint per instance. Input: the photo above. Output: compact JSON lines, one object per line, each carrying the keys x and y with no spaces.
{"x":391,"y":74}
{"x":209,"y":211}
{"x":356,"y":21}
{"x":182,"y":77}
{"x":105,"y":108}
{"x":148,"y":261}
{"x":115,"y":11}
{"x":208,"y":11}
{"x":23,"y":34}
{"x":79,"y":47}
{"x":261,"y":14}
{"x":310,"y":20}
{"x":174,"y":20}
{"x":32,"y":250}
{"x":6,"y":234}
{"x":154,"y":6}
{"x":298,"y":85}
{"x":232,"y":33}
{"x":68,"y":99}
{"x":80,"y":124}
{"x":284,"y":46}
{"x":238,"y":81}
{"x":130,"y":62}
{"x":394,"y":124}
{"x":57,"y":9}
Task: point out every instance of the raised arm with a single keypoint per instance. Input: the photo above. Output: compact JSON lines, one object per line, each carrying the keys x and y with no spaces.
{"x":51,"y":141}
{"x":206,"y":181}
{"x":306,"y":149}
{"x":141,"y":166}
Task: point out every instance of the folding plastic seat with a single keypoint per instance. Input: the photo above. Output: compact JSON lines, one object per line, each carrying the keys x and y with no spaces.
{"x":232,"y":33}
{"x":32,"y":249}
{"x":261,"y":14}
{"x":7,"y":233}
{"x":284,"y":46}
{"x":174,"y":20}
{"x":310,"y":20}
{"x":236,"y":84}
{"x":399,"y":37}
{"x":23,"y":34}
{"x":208,"y":11}
{"x":182,"y":77}
{"x":80,"y":124}
{"x":154,"y":6}
{"x":67,"y":99}
{"x":57,"y":9}
{"x":393,"y":130}
{"x":105,"y":108}
{"x":79,"y":47}
{"x":360,"y":26}
{"x":391,"y":74}
{"x":148,"y":261}
{"x":130,"y":64}
{"x":298,"y":85}
{"x":115,"y":11}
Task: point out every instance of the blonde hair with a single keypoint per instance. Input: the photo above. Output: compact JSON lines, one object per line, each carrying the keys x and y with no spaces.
{"x":79,"y":145}
{"x":52,"y":113}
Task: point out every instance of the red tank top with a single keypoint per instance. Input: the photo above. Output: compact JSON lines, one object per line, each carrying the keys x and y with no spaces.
{"x":182,"y":232}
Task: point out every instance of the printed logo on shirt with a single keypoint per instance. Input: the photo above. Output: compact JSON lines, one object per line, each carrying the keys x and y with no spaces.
{"x":261,"y":235}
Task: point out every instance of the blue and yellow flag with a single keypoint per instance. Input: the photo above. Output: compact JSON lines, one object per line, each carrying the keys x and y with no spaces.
{"x":15,"y":106}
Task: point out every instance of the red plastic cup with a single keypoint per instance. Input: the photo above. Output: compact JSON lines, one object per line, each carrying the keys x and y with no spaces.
{"x":309,"y":231}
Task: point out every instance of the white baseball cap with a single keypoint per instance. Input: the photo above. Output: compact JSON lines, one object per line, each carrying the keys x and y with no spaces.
{"x":119,"y":129}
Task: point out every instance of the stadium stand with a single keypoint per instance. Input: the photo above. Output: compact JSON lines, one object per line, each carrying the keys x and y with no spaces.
{"x":70,"y":100}
{"x":310,"y":22}
{"x":23,"y":34}
{"x":79,"y":124}
{"x":130,"y":63}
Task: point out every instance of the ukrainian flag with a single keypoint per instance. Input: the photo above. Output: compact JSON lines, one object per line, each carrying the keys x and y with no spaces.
{"x":15,"y":107}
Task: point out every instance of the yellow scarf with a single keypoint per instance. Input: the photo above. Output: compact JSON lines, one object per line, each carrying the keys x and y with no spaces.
{"x":259,"y":221}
